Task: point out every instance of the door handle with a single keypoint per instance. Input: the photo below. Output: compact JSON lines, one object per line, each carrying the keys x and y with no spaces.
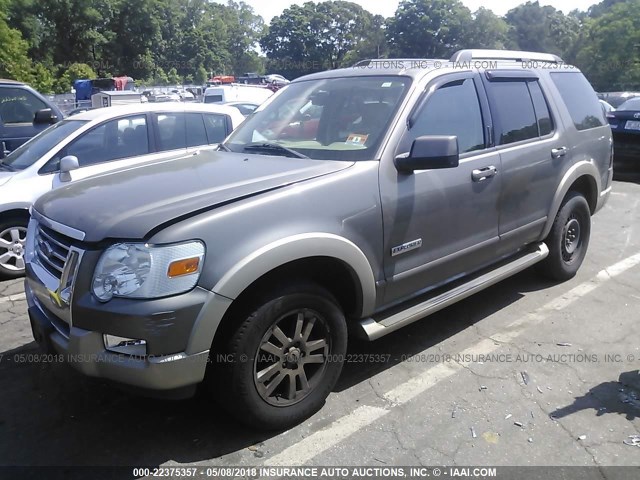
{"x":483,"y":173}
{"x":558,"y":152}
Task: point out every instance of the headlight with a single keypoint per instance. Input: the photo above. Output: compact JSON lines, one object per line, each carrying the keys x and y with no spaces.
{"x":30,"y":248}
{"x":138,"y":270}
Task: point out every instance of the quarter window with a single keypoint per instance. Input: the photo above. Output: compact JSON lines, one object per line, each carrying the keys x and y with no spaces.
{"x":453,"y":109}
{"x":580,"y":99}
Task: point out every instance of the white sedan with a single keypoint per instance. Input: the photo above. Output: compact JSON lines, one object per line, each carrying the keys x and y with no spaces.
{"x":95,"y":142}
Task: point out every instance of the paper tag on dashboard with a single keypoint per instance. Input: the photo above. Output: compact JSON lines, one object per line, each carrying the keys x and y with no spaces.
{"x":357,"y":139}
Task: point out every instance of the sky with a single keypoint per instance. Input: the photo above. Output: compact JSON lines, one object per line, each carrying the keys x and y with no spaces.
{"x":271,"y":8}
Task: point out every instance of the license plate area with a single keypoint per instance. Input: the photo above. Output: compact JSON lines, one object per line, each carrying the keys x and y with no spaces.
{"x":632,"y":125}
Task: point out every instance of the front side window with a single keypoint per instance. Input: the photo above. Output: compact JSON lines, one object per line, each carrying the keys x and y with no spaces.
{"x":453,"y":109}
{"x":33,"y":150}
{"x":580,"y":99}
{"x":328,"y":119}
{"x":18,"y":105}
{"x":115,"y":139}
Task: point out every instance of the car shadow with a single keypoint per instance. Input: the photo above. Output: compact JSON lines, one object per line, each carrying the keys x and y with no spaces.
{"x":52,"y":415}
{"x":621,"y":397}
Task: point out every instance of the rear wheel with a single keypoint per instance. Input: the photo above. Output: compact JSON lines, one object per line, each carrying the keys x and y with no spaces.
{"x":13,"y":238}
{"x":569,"y":238}
{"x":282,"y":360}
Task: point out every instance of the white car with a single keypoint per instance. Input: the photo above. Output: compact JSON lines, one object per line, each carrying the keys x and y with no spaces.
{"x":95,"y":142}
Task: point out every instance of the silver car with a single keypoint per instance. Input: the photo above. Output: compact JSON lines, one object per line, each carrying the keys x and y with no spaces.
{"x":353,"y":202}
{"x":94,"y":142}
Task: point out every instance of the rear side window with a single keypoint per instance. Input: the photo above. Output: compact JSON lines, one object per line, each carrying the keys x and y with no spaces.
{"x":18,"y":105}
{"x":580,"y":99}
{"x":171,"y":131}
{"x":513,"y":108}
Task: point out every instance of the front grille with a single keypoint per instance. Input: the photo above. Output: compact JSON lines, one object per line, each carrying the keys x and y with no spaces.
{"x":52,"y":249}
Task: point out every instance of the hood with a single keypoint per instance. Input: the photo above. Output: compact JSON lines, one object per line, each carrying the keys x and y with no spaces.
{"x":5,"y":176}
{"x":129,"y":203}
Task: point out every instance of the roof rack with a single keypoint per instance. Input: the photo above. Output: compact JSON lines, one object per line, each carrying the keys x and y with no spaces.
{"x":514,"y":55}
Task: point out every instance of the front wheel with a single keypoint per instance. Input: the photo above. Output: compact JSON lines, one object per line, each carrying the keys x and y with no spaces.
{"x":13,"y":238}
{"x":569,"y":238}
{"x":283,"y":360}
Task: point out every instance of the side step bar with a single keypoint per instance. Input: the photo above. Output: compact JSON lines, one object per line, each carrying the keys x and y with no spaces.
{"x":380,"y":325}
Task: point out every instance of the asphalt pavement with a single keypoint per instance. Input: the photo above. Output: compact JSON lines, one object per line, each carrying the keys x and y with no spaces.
{"x":525,"y":373}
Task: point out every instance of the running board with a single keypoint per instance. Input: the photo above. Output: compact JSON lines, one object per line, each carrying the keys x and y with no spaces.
{"x":384,"y":322}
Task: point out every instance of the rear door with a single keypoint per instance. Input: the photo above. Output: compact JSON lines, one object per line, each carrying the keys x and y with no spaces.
{"x":533,"y":152}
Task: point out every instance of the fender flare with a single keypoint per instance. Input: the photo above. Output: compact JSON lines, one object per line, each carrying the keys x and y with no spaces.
{"x":576,"y":171}
{"x":297,"y":247}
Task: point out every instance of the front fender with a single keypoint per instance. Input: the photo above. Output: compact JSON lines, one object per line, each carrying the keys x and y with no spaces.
{"x":576,"y":171}
{"x":296,"y":247}
{"x":266,"y":259}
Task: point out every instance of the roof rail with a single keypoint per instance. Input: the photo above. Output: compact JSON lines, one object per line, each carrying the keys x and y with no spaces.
{"x":515,"y":55}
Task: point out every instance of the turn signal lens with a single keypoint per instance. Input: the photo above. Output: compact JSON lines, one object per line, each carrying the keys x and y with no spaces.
{"x":183,"y":267}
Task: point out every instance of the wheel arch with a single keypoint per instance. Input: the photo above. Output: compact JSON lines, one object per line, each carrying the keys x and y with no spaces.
{"x":301,"y":256}
{"x":346,"y":274}
{"x":582,"y":177}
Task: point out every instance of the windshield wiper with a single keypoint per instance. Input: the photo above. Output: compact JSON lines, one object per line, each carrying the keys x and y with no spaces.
{"x":274,"y":147}
{"x":223,"y":147}
{"x":6,"y":166}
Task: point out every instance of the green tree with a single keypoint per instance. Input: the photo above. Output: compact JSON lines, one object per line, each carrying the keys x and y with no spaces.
{"x":487,"y":30}
{"x":608,"y":58}
{"x":173,"y":77}
{"x":201,"y":76}
{"x":542,"y":29}
{"x":428,"y":28}
{"x":314,"y":36}
{"x":14,"y":59}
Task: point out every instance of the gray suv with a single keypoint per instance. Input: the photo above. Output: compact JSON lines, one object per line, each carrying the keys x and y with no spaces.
{"x":356,"y":200}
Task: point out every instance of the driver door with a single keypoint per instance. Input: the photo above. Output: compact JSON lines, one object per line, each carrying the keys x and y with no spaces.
{"x":443,"y":223}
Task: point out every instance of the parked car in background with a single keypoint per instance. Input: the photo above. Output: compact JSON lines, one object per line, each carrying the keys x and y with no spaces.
{"x":93,"y":142}
{"x":246,"y":108}
{"x":607,"y":107}
{"x":241,"y":93}
{"x":276,"y":79}
{"x":615,"y":99}
{"x":625,"y":125}
{"x":23,"y":114}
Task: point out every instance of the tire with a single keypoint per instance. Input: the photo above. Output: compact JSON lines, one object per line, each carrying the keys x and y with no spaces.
{"x":13,"y":234}
{"x":281,"y":361}
{"x":568,"y":239}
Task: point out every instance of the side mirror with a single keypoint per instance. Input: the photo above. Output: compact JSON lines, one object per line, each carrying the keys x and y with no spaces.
{"x":430,"y":152}
{"x":67,"y":164}
{"x":45,"y":115}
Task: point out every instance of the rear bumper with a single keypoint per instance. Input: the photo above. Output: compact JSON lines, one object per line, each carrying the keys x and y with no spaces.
{"x":626,"y":151}
{"x":85,"y":351}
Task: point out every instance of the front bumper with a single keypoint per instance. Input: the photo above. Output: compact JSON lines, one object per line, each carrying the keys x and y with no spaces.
{"x":86,"y":352}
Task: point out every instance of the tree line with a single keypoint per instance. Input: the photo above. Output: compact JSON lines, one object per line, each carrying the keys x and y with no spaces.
{"x":49,"y":43}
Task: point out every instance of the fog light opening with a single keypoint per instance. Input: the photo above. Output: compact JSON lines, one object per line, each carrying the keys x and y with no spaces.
{"x":128,"y":346}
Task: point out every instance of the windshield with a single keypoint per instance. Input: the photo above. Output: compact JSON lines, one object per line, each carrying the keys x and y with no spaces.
{"x":330,"y":119}
{"x":30,"y":152}
{"x":631,"y":104}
